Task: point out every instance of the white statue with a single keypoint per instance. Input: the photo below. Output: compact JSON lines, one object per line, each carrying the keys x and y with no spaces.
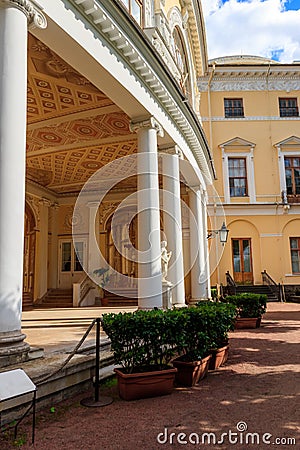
{"x":165,"y":258}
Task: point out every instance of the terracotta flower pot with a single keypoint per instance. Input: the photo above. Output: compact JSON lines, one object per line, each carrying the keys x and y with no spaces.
{"x":190,"y":373}
{"x":246,"y":322}
{"x":219,"y":357}
{"x":133,"y":386}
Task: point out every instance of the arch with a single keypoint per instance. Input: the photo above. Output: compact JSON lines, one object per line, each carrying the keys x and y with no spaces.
{"x":182,"y":52}
{"x":29,"y":257}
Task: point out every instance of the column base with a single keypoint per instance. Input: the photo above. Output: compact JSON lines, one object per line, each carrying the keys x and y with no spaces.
{"x":179,"y":305}
{"x":13,"y":349}
{"x":194,"y":301}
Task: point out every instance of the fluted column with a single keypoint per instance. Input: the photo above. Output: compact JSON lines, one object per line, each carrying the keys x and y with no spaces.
{"x":149,"y":256}
{"x":15,"y":16}
{"x":172,"y":220}
{"x":199,"y":286}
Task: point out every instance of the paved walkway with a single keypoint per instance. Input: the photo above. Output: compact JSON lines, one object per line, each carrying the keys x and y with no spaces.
{"x":60,"y":329}
{"x":258,"y":389}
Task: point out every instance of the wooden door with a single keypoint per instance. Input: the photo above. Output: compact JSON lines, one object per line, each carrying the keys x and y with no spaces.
{"x":242,"y":261}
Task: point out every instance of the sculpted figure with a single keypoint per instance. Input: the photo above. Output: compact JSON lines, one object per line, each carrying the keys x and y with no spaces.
{"x":165,"y":258}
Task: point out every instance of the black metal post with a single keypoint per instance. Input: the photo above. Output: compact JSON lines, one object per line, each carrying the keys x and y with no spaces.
{"x":97,"y":364}
{"x":96,"y":401}
{"x":33,"y":416}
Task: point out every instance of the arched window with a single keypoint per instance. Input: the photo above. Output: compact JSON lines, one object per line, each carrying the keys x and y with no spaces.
{"x":181,"y":61}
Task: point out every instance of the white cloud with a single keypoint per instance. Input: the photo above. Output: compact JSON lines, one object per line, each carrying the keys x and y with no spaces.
{"x":254,"y":27}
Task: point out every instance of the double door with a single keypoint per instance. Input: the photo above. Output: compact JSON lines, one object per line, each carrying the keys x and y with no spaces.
{"x":242,"y":261}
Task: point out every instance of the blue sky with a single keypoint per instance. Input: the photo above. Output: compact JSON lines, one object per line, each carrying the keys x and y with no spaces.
{"x":269,"y":28}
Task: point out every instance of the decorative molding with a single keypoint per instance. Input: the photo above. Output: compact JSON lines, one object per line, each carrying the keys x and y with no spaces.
{"x":106,"y":209}
{"x":147,"y":123}
{"x":35,"y":17}
{"x":174,"y":150}
{"x":104,"y":17}
{"x":247,"y":119}
{"x":244,"y":84}
{"x":164,"y":50}
{"x":35,"y":205}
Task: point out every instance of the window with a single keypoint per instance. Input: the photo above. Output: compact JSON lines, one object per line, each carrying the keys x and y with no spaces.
{"x":135,"y":9}
{"x":233,"y":107}
{"x":295,"y":254}
{"x":288,"y":107}
{"x":237,"y":177}
{"x":292,"y":175}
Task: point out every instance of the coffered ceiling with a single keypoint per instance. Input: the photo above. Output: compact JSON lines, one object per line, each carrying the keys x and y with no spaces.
{"x":73,"y":129}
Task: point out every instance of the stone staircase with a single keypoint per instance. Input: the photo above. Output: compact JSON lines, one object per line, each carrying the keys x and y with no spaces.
{"x":57,"y":298}
{"x":27,"y":301}
{"x":257,"y":289}
{"x":117,"y":299}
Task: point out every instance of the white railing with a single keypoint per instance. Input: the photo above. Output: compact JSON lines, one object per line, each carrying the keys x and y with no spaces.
{"x":84,"y":292}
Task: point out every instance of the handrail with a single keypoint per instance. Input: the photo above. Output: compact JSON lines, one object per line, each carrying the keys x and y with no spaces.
{"x":276,"y":288}
{"x":81,"y":290}
{"x":231,"y":285}
{"x":95,"y":402}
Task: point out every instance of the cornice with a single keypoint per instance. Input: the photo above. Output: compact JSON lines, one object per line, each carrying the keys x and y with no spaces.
{"x":34,"y":15}
{"x":140,"y":56}
{"x":257,"y":79}
{"x":249,"y":119}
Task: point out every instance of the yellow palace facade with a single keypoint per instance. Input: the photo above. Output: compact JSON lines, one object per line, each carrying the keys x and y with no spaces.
{"x":249,"y":109}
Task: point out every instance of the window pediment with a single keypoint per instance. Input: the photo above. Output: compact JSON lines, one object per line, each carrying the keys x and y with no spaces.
{"x":291,"y":142}
{"x":237,"y":143}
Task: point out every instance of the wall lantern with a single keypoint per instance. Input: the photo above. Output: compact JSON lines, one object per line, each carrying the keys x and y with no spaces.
{"x":222,"y":232}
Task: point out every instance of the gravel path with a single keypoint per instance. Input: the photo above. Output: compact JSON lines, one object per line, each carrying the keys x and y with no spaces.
{"x":258,"y":389}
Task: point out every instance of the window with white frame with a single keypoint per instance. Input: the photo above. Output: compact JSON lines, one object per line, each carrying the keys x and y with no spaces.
{"x":292,"y":174}
{"x":238,"y":170}
{"x":237,"y":173}
{"x":289,"y":169}
{"x":295,"y":254}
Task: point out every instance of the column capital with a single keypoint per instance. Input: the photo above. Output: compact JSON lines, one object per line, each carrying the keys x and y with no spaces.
{"x":35,"y":17}
{"x":146,"y":122}
{"x":171,"y":149}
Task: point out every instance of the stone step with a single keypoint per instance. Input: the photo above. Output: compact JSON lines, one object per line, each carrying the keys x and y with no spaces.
{"x":77,"y":376}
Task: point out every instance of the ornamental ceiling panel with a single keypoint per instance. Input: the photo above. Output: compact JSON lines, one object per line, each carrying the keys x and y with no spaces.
{"x":61,"y":171}
{"x":73,"y":129}
{"x":54,"y":88}
{"x":75,"y":132}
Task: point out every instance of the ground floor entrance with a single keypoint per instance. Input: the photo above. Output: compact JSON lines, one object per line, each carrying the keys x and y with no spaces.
{"x":242,"y":261}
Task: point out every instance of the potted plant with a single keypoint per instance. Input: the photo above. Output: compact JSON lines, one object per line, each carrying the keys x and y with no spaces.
{"x":249,"y":309}
{"x":221,"y":319}
{"x":194,"y":345}
{"x":143,"y":343}
{"x":103,"y":274}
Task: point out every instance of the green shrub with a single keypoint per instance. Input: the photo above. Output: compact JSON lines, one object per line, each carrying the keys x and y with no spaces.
{"x":150,"y":339}
{"x":220,"y":318}
{"x":248,"y":305}
{"x":143,"y":339}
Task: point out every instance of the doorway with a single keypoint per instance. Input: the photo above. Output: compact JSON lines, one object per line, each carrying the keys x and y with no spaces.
{"x":70,"y":268}
{"x":242,"y":261}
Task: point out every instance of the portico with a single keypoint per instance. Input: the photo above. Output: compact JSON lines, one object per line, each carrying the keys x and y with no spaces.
{"x":93,"y":101}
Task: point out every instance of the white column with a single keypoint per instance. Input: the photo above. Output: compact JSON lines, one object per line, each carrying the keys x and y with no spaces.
{"x":172,"y":220}
{"x":199,"y":287}
{"x":205,"y":244}
{"x":14,"y":16}
{"x":149,"y":252}
{"x":94,"y":256}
